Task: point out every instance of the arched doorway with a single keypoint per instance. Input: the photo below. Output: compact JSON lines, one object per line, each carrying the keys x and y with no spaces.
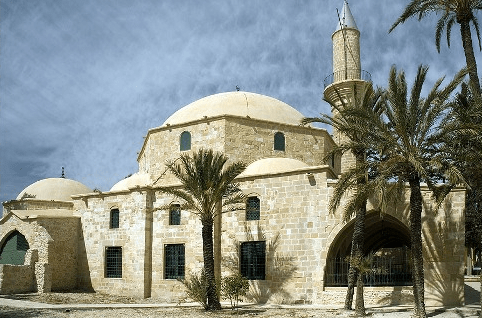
{"x":13,"y":249}
{"x":387,"y":239}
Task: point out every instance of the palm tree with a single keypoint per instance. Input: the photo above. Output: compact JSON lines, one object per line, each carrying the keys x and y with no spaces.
{"x":408,"y":140}
{"x":354,"y":179}
{"x":206,"y":182}
{"x":463,"y":134}
{"x":452,"y":11}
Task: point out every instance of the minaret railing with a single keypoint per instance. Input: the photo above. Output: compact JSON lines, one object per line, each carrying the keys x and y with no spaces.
{"x":349,"y":74}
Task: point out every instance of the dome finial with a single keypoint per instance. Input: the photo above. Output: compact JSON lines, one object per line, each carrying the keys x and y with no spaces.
{"x":63,"y":173}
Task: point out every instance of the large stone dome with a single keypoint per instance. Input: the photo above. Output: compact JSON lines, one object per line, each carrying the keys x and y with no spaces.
{"x":243,"y":104}
{"x":56,"y":189}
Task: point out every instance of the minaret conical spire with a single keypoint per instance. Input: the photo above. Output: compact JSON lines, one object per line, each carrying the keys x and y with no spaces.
{"x":346,"y":19}
{"x":348,"y":83}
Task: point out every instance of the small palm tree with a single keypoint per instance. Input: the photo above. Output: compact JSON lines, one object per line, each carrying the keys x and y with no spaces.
{"x":408,"y":139}
{"x":452,"y":11}
{"x":346,"y":122}
{"x":207,"y":181}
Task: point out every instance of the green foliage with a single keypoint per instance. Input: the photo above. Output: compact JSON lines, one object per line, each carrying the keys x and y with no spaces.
{"x":197,"y":288}
{"x":233,"y":287}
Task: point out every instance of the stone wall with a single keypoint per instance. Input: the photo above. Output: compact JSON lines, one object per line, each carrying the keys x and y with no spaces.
{"x":242,"y":139}
{"x":294,"y":221}
{"x":97,"y":236}
{"x":62,"y":250}
{"x":15,"y":279}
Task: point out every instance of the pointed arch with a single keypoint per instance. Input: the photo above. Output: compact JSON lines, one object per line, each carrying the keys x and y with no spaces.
{"x":14,"y":248}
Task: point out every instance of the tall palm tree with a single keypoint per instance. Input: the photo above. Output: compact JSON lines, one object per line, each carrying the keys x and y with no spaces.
{"x":452,"y":11}
{"x":463,"y":134}
{"x":354,"y":179}
{"x":206,"y":181}
{"x":407,"y":139}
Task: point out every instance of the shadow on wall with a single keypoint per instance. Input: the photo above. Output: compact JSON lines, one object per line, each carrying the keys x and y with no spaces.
{"x":443,"y":255}
{"x":279,"y":268}
{"x":84,"y":281}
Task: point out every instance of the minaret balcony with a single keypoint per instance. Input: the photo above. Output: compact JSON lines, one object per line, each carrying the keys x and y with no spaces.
{"x":347,"y":75}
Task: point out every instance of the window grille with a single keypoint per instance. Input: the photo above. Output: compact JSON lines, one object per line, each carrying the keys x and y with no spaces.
{"x":174,"y":261}
{"x":279,"y":141}
{"x":114,"y":219}
{"x":113,"y":262}
{"x":175,"y":215}
{"x":253,"y":260}
{"x":185,"y":141}
{"x":252,"y":209}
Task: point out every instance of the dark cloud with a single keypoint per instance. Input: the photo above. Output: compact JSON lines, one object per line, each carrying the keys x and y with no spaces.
{"x":81,"y":82}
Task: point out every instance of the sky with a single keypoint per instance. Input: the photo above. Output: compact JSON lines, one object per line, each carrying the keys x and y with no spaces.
{"x":81,"y":82}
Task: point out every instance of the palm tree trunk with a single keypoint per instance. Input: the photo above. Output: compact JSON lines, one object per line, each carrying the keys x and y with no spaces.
{"x":358,"y":238}
{"x":469,"y":54}
{"x":208,"y":256}
{"x":416,"y":244}
{"x":360,"y":303}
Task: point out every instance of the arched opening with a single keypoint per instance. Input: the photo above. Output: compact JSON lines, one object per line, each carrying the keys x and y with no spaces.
{"x":13,"y":249}
{"x":185,"y":141}
{"x":387,"y":239}
{"x":279,"y":141}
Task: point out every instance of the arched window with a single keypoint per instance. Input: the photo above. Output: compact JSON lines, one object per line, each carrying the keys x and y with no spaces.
{"x":175,"y":214}
{"x":279,"y":141}
{"x":185,"y":141}
{"x":252,"y":209}
{"x":114,"y":219}
{"x":14,"y":249}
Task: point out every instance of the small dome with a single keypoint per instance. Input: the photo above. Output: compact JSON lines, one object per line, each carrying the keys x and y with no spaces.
{"x":272,"y":166}
{"x":243,"y":104}
{"x":137,"y":179}
{"x":56,"y":189}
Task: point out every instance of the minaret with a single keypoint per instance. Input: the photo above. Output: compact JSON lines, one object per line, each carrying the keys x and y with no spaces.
{"x":348,"y":79}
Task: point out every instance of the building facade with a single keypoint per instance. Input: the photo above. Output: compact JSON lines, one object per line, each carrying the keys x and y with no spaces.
{"x":58,"y":234}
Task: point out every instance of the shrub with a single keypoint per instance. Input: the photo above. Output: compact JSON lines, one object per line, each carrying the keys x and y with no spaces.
{"x":233,"y":287}
{"x":196,"y":288}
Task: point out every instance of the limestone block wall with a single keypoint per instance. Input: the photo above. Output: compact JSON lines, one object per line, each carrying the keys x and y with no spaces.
{"x":187,"y":233}
{"x":63,"y":251}
{"x":163,"y":144}
{"x":248,"y":140}
{"x":17,"y":279}
{"x":294,"y":222}
{"x":239,"y":138}
{"x":130,"y":236}
{"x":37,"y":257}
{"x":346,"y":54}
{"x":33,"y":204}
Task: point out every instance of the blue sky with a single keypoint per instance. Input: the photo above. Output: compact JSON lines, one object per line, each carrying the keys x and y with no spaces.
{"x":81,"y":82}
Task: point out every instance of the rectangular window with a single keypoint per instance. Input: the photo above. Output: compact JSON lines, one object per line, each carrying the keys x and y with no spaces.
{"x":252,"y":209}
{"x":113,"y":262}
{"x":114,"y":219}
{"x":253,"y":260}
{"x":175,"y":215}
{"x":174,"y":260}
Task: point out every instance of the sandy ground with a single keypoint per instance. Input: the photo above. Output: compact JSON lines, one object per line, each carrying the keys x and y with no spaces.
{"x":96,"y":305}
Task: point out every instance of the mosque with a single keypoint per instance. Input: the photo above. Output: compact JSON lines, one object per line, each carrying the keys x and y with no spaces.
{"x":59,"y":235}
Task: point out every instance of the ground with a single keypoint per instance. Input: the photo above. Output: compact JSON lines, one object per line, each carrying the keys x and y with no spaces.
{"x":76,"y":305}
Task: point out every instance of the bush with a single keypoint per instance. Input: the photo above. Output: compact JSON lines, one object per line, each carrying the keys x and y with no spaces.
{"x":233,"y":287}
{"x":197,"y":288}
